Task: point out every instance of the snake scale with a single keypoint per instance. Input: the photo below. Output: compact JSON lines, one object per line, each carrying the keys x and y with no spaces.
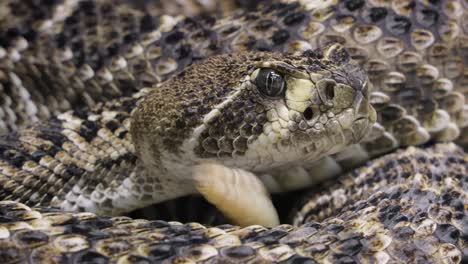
{"x":108,"y":107}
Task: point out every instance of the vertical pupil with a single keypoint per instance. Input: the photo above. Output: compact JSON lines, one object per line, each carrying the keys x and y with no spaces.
{"x":273,"y":82}
{"x":330,"y":91}
{"x":270,"y":82}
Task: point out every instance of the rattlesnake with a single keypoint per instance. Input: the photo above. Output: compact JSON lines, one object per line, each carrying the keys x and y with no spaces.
{"x":211,"y":104}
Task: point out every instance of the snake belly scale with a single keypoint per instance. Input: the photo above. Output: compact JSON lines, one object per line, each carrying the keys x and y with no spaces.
{"x":148,"y":108}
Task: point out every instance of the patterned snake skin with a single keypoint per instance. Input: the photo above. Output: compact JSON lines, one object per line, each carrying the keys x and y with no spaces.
{"x":421,"y":218}
{"x":121,"y":69}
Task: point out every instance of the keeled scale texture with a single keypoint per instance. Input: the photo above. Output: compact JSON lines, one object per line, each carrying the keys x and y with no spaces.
{"x":85,"y":159}
{"x":73,"y":154}
{"x":420,"y":218}
{"x":59,"y":55}
{"x":415,"y":53}
{"x":440,"y":87}
{"x":93,"y":61}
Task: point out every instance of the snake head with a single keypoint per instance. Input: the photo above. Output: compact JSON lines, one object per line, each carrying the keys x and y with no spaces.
{"x":257,"y":110}
{"x":316,"y":104}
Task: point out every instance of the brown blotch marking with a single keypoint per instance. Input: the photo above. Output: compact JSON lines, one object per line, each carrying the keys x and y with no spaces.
{"x":174,"y":104}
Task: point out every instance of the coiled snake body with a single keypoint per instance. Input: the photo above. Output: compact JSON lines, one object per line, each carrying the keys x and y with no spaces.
{"x":234,"y":108}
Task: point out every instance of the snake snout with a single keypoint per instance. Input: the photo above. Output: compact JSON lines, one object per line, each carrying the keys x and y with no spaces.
{"x":355,"y":91}
{"x":345,"y":95}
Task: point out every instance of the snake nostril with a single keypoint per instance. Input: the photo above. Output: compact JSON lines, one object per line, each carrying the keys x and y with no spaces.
{"x":330,"y":91}
{"x":308,"y":113}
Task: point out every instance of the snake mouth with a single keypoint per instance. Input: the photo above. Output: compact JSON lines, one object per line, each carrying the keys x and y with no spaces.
{"x":362,"y":118}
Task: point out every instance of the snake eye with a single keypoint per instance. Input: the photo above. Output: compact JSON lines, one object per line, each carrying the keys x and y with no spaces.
{"x":270,"y":82}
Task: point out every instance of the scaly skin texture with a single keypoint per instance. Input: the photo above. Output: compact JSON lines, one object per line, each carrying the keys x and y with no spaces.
{"x":97,"y":50}
{"x":194,"y":7}
{"x":415,"y":55}
{"x":413,"y":104}
{"x":88,"y":160}
{"x":420,"y":217}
